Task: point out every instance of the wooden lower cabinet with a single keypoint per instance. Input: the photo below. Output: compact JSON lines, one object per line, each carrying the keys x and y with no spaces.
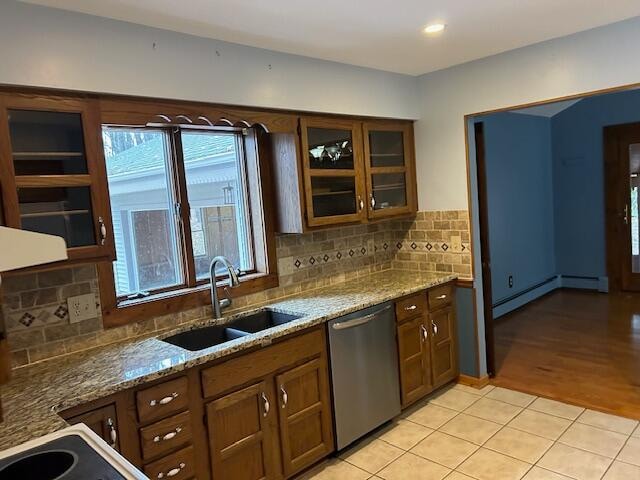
{"x":305,"y":415}
{"x":102,"y":421}
{"x":243,"y":433}
{"x":427,"y":343}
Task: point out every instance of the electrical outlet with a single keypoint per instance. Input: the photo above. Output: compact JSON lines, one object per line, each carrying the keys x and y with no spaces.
{"x":82,"y":307}
{"x":456,"y":243}
{"x":510,"y":281}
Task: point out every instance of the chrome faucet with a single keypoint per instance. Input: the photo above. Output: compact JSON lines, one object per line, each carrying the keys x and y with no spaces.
{"x":218,"y":305}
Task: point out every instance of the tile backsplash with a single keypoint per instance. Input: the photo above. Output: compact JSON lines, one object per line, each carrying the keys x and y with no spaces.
{"x":35,"y":309}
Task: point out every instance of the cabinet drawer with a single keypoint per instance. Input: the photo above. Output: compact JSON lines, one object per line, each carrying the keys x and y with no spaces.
{"x":165,"y":435}
{"x":411,"y":307}
{"x":251,"y":366}
{"x":161,"y":400}
{"x":177,"y":466}
{"x":440,"y":296}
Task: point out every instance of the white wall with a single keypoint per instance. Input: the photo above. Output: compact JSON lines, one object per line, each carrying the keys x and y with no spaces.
{"x":592,"y":60}
{"x":53,"y":48}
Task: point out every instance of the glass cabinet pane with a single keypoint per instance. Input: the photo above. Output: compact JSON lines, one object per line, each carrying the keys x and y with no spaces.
{"x":47,"y":143}
{"x":62,"y":211}
{"x":389,"y":190}
{"x":386,"y":149}
{"x":333,"y":196}
{"x":330,"y":148}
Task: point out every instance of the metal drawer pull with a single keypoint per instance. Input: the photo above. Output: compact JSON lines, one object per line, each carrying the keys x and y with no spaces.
{"x":441,"y":297}
{"x":361,"y":203}
{"x":165,"y":400}
{"x":424,"y":332}
{"x":113,"y":433}
{"x":173,"y":472}
{"x":103,"y":230}
{"x":167,"y":436}
{"x":359,"y":321}
{"x":410,"y":308}
{"x":285,"y":397}
{"x":373,"y":202}
{"x":266,"y":404}
{"x":435,"y":328}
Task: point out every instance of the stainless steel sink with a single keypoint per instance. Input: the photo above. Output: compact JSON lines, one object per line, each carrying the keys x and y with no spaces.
{"x":205,"y":337}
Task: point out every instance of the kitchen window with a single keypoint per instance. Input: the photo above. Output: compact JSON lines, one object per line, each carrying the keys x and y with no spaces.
{"x":179,"y":197}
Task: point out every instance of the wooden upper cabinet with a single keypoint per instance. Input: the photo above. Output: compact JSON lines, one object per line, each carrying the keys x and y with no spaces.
{"x":390,"y":169}
{"x":52,"y":171}
{"x":333,"y":174}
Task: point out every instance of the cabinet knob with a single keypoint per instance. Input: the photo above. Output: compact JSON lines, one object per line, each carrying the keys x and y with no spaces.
{"x":103,"y":230}
{"x":167,"y":436}
{"x":410,"y":308}
{"x":113,"y":433}
{"x":441,"y":297}
{"x":265,"y":404}
{"x":435,"y":328}
{"x":360,"y":203}
{"x":173,"y":472}
{"x":424,"y":333}
{"x":285,"y":397}
{"x":165,"y":400}
{"x":373,"y":201}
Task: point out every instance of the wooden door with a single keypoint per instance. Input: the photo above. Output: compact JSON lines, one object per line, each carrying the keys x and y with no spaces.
{"x":622,"y":183}
{"x":414,"y":360}
{"x":103,"y":421}
{"x":390,"y":169}
{"x":306,"y":433}
{"x":52,"y":171}
{"x":444,"y":352}
{"x":243,"y":434}
{"x":333,"y":171}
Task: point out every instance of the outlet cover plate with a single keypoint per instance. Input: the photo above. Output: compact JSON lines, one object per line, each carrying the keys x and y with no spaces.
{"x":82,"y":307}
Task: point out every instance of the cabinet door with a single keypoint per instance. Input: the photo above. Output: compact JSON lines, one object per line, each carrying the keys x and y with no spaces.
{"x":52,"y":171}
{"x":444,"y":352}
{"x":390,"y":169}
{"x":413,"y":351}
{"x":243,"y":434}
{"x":103,"y":421}
{"x":333,"y":171}
{"x":305,"y":415}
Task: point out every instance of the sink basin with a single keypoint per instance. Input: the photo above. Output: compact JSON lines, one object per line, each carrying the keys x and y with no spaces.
{"x":205,"y":337}
{"x":48,"y":465}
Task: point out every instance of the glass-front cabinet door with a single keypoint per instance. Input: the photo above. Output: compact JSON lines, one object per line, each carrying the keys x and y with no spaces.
{"x":389,"y":164}
{"x":332,"y":161}
{"x":51,"y":169}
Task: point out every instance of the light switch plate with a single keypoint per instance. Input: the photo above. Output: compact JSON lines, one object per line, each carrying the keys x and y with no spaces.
{"x":82,"y":307}
{"x":456,"y":243}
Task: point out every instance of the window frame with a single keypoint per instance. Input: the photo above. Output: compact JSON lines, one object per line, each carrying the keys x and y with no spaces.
{"x":255,"y":153}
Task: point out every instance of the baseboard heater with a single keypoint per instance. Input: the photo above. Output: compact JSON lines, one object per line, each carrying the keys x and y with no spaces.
{"x":525,"y":291}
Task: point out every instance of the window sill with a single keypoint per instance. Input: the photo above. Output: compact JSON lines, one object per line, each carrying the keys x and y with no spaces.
{"x":116,"y":314}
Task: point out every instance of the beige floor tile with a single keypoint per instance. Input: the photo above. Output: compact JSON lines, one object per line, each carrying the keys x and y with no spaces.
{"x":458,"y":476}
{"x":489,"y":465}
{"x":371,"y":454}
{"x":614,"y":423}
{"x":575,"y":463}
{"x":631,"y":452}
{"x":473,"y":429}
{"x":493,"y":410}
{"x":540,"y":424}
{"x":521,"y":445}
{"x":454,"y":399}
{"x":559,"y":409}
{"x":622,"y":471}
{"x":537,"y":473}
{"x":412,"y":467}
{"x":594,"y":440}
{"x":444,"y":449}
{"x":474,"y":391}
{"x":403,"y":434}
{"x":335,"y":469}
{"x":636,"y":433}
{"x":518,"y":399}
{"x":431,"y":416}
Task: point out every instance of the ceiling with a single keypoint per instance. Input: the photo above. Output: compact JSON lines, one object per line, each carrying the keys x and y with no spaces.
{"x":548,"y":109}
{"x":371,"y":33}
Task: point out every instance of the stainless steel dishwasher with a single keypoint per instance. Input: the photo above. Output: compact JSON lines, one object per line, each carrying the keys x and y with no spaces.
{"x":364,"y":371}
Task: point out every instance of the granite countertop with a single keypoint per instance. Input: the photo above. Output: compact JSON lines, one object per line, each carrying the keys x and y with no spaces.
{"x":35,"y":393}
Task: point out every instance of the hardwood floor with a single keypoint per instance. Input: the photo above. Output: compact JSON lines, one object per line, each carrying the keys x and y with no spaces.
{"x":575,"y":346}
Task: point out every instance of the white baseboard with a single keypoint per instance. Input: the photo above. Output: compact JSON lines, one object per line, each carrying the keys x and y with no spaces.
{"x":526,"y":297}
{"x":600,"y":284}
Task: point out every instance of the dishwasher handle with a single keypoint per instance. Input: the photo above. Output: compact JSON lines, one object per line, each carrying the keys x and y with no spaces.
{"x":359,"y":321}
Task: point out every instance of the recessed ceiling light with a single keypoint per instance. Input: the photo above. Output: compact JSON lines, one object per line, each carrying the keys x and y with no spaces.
{"x":434,"y":28}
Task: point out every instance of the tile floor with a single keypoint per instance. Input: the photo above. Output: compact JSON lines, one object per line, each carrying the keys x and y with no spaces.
{"x":461,"y":433}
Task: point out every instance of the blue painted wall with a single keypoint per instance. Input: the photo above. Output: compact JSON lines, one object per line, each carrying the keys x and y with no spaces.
{"x":520,"y":198}
{"x":578,"y":179}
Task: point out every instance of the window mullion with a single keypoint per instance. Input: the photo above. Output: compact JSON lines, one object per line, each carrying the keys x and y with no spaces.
{"x":183,"y":209}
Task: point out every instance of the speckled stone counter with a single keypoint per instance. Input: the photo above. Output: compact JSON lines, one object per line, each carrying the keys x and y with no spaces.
{"x":34,"y":395}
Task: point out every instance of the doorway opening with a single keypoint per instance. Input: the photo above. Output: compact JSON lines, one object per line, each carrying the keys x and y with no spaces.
{"x":558,"y":218}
